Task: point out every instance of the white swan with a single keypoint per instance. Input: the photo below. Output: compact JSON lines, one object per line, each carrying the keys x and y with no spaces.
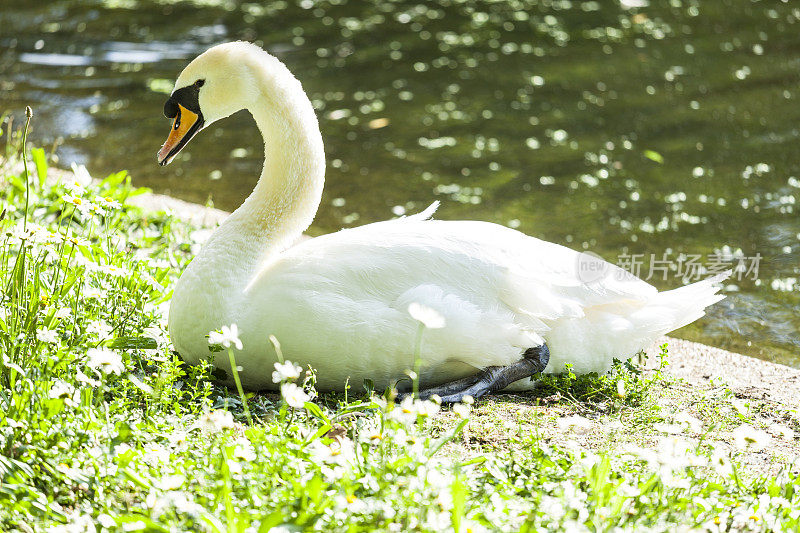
{"x":340,"y":302}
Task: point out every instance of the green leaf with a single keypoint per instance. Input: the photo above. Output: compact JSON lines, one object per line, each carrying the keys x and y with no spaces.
{"x":458,"y":491}
{"x":127,"y":343}
{"x":123,"y":432}
{"x":135,"y":478}
{"x":315,"y":410}
{"x":17,"y":182}
{"x":601,"y":471}
{"x":369,"y":386}
{"x":141,"y":385}
{"x":9,"y":466}
{"x":474,"y":461}
{"x":654,"y":156}
{"x":139,"y":522}
{"x":114,"y":180}
{"x":274,"y":519}
{"x":317,"y":434}
{"x":40,"y":161}
{"x":124,"y":459}
{"x":53,"y":406}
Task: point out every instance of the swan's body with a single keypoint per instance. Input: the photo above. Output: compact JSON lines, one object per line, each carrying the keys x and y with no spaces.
{"x":340,"y":302}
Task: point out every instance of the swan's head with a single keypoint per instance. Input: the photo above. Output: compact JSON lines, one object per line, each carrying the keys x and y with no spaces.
{"x":214,"y":85}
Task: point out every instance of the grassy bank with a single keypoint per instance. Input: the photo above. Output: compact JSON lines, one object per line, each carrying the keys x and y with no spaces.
{"x":103,"y":428}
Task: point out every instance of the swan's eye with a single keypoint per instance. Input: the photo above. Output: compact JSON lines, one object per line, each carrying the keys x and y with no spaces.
{"x":200,"y":83}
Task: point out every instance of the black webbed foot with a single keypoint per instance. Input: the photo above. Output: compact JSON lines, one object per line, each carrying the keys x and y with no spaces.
{"x":491,"y":379}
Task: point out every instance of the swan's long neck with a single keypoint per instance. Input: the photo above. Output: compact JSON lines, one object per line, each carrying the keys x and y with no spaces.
{"x":286,"y":198}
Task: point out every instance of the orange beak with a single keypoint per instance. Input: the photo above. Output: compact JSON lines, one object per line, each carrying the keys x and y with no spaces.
{"x":185,"y":126}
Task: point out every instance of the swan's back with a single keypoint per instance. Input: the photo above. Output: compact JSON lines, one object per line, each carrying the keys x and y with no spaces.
{"x":490,"y":262}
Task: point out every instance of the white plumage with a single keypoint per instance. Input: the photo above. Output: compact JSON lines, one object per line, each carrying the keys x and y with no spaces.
{"x":340,"y":302}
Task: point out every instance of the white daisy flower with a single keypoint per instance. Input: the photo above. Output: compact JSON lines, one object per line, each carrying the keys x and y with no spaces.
{"x":113,"y":270}
{"x":86,"y":380}
{"x":721,"y":462}
{"x":215,"y":420}
{"x":748,"y":437}
{"x":105,"y":361}
{"x":171,"y":482}
{"x":99,"y":328}
{"x":77,"y":522}
{"x":74,"y":186}
{"x":429,"y":317}
{"x":81,"y":204}
{"x":77,"y":240}
{"x":46,"y":335}
{"x":106,"y":521}
{"x":404,"y":413}
{"x":91,"y":293}
{"x":81,"y":176}
{"x":61,"y":390}
{"x":107,"y":203}
{"x":293,"y":395}
{"x":781,"y":431}
{"x":19,"y":232}
{"x":689,"y":422}
{"x":286,"y":371}
{"x":575,"y":422}
{"x":226,"y":336}
{"x":462,"y":409}
{"x":97,"y":210}
{"x":244,"y":450}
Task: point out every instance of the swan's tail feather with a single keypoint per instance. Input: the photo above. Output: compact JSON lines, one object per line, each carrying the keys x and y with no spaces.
{"x":426,"y":214}
{"x":682,"y":306}
{"x":618,"y":331}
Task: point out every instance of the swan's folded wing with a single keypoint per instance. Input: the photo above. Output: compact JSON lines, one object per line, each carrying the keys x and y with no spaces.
{"x":487,"y":264}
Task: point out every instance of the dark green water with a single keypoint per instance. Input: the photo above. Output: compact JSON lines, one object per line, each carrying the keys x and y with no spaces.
{"x":659,"y":130}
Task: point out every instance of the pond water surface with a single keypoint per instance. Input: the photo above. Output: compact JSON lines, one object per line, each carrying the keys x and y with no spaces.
{"x":661,"y":135}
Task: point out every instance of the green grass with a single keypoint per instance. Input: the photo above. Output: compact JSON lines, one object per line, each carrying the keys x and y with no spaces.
{"x":103,"y":427}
